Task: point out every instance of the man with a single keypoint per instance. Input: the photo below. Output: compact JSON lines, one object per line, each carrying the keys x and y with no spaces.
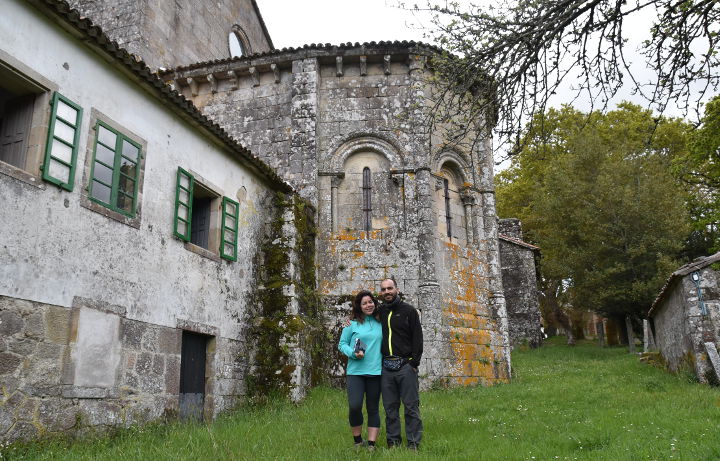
{"x":402,"y":347}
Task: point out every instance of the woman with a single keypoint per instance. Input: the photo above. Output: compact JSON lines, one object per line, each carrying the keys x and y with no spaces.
{"x":364,"y":366}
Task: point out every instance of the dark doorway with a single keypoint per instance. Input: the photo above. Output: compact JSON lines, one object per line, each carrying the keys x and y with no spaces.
{"x":192,"y":375}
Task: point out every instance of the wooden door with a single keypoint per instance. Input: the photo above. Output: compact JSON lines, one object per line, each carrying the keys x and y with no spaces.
{"x":192,"y":375}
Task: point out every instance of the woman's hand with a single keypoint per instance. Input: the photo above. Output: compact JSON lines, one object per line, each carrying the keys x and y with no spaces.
{"x":359,"y":354}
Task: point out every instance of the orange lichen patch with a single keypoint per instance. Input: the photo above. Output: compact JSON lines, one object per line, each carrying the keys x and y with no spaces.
{"x":358,"y":254}
{"x":346,"y":234}
{"x":326,"y":287}
{"x":372,"y":235}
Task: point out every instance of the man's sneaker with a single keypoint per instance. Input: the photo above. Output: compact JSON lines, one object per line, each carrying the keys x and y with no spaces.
{"x":413,"y":447}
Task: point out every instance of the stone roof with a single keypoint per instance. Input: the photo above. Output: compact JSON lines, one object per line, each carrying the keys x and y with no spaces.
{"x":317,"y":50}
{"x":518,"y":242}
{"x":83,"y":28}
{"x":697,"y":264}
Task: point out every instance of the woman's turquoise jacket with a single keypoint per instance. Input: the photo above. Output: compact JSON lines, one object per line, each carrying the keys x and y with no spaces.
{"x":369,"y":332}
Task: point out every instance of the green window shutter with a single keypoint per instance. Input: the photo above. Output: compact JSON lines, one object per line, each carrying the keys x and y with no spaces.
{"x":183,"y":204}
{"x":229,"y":228}
{"x":62,"y":142}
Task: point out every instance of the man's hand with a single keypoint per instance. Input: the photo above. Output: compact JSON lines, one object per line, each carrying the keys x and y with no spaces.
{"x":346,"y":322}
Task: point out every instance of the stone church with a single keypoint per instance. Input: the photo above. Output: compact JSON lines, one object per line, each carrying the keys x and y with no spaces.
{"x":230,"y":198}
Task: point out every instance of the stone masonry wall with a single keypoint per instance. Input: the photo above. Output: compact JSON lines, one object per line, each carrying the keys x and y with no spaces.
{"x":174,"y":33}
{"x":519,"y":277}
{"x":319,"y":117}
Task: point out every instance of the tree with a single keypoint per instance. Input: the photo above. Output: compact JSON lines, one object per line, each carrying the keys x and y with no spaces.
{"x":509,"y":57}
{"x":596,"y":193}
{"x":699,"y":170}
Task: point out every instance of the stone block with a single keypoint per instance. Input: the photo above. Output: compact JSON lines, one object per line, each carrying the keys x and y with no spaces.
{"x":131,"y":334}
{"x":35,"y":326}
{"x":172,"y":375}
{"x":57,"y":324}
{"x":10,"y":323}
{"x":56,"y":415}
{"x":169,"y":341}
{"x":22,"y":430}
{"x":9,"y":362}
{"x":23,"y":347}
{"x":144,"y":363}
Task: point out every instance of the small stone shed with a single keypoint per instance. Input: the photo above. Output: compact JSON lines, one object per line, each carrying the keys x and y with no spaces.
{"x":519,"y":278}
{"x":685,"y":317}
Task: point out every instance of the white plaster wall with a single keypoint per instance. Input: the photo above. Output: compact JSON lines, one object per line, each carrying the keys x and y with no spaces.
{"x":52,"y":249}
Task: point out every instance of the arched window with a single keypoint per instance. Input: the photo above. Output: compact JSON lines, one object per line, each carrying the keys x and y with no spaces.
{"x":448,"y":214}
{"x":367,"y":200}
{"x":238,"y":43}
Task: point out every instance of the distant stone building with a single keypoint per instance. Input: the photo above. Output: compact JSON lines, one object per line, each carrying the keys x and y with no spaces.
{"x":685,"y":318}
{"x":151,"y":265}
{"x":519,"y":276}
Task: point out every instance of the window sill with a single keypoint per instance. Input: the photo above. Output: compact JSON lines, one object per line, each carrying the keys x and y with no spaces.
{"x":22,"y":175}
{"x":85,"y":202}
{"x":202,"y":252}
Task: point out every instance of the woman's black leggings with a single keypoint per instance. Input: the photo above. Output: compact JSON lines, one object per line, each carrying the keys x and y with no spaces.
{"x":359,"y":386}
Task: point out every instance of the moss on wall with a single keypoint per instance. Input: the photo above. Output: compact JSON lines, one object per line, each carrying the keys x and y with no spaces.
{"x":288,"y":305}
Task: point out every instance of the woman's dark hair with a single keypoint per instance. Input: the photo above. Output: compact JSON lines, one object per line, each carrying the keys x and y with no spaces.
{"x":357,"y":313}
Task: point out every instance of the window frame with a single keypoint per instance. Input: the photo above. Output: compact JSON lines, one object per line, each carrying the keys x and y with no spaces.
{"x":98,"y":206}
{"x":116,"y":169}
{"x":217,"y":232}
{"x":38,"y":130}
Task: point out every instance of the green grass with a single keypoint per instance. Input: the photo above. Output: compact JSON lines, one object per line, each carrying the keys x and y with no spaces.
{"x":581,"y":403}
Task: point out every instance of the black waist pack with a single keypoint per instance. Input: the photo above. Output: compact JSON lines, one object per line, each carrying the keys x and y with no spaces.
{"x":393,"y":363}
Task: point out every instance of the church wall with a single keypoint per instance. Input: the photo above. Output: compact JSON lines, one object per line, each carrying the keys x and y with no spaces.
{"x":93,"y":304}
{"x":179,"y":32}
{"x":343,"y":111}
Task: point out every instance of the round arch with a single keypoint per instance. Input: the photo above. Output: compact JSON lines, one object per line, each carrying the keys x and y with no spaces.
{"x":238,"y":42}
{"x":364,"y":142}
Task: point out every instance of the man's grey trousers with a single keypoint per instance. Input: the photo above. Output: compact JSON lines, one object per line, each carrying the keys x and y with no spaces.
{"x":396,"y":386}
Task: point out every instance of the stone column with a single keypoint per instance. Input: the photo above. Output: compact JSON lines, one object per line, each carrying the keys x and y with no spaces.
{"x":302,"y":166}
{"x":335,"y":210}
{"x":468,"y":201}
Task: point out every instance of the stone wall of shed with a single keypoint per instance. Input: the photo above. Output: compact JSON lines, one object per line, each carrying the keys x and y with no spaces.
{"x":681,"y":330}
{"x":521,"y":295}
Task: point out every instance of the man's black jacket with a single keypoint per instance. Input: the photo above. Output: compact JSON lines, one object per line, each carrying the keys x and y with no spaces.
{"x":403,"y":329}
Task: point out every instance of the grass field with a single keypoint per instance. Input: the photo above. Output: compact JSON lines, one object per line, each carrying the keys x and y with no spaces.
{"x":581,"y":403}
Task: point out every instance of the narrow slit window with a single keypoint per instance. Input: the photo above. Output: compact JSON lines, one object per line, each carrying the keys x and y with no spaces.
{"x":367,"y":200}
{"x":448,"y":216}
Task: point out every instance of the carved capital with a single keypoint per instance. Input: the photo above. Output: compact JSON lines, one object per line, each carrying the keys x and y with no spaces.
{"x":467,"y":197}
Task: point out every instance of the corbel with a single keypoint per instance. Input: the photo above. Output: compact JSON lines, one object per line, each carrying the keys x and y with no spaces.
{"x":386,"y":64}
{"x":193,"y":86}
{"x":255,"y":76}
{"x":339,"y":66}
{"x":363,"y":65}
{"x":213,"y":83}
{"x":173,"y":85}
{"x":276,"y":72}
{"x":234,"y":80}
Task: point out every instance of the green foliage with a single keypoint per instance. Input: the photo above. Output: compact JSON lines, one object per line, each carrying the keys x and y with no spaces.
{"x":595,"y":192}
{"x":699,"y":169}
{"x":584,"y":403}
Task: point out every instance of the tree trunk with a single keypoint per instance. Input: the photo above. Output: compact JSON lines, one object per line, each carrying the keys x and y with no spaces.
{"x":630,"y":334}
{"x":612,"y":335}
{"x":600,"y":328}
{"x":560,"y":317}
